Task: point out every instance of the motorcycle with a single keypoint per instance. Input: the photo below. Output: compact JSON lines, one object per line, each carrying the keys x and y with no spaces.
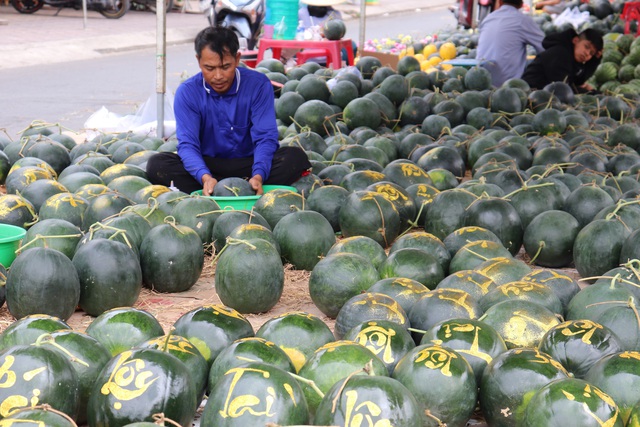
{"x":245,"y":17}
{"x":463,"y":11}
{"x":150,"y":5}
{"x":111,"y":9}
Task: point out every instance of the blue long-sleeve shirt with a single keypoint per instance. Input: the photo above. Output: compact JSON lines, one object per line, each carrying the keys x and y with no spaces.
{"x":502,"y":46}
{"x":239,"y":123}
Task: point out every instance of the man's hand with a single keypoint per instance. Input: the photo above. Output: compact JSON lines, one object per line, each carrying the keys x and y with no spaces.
{"x":587,"y":87}
{"x":256,"y":184}
{"x":208,"y":182}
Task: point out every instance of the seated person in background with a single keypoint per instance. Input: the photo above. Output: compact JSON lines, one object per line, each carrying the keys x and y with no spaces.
{"x":504,"y":36}
{"x":316,"y":12}
{"x":226,"y":125}
{"x":569,"y":57}
{"x":552,"y":7}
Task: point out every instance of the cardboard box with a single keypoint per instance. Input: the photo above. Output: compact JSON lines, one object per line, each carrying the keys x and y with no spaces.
{"x":387,"y":59}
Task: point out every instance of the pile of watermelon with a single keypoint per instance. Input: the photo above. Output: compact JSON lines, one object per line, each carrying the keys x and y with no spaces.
{"x":444,"y":225}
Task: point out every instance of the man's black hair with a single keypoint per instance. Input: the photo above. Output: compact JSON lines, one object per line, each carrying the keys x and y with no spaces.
{"x":515,"y":3}
{"x":594,"y":36}
{"x":220,"y":40}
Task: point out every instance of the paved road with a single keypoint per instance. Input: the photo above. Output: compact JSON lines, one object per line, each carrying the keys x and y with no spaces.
{"x":69,"y":92}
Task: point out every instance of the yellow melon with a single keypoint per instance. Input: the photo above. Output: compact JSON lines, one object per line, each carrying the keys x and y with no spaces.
{"x":429,"y":49}
{"x":448,"y":51}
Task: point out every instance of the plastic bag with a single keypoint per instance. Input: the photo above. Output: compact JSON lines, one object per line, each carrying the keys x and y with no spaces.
{"x":331,"y":83}
{"x":573,"y":16}
{"x":144,"y":121}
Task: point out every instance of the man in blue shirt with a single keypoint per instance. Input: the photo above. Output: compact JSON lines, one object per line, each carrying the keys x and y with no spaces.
{"x":504,"y":36}
{"x":226,"y":125}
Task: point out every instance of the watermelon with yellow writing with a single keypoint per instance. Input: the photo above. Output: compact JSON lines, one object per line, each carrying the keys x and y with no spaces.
{"x":618,"y":375}
{"x":333,"y":362}
{"x":579,"y":344}
{"x":439,"y":376}
{"x":381,"y":401}
{"x":298,"y":333}
{"x":212,"y":328}
{"x":369,"y":306}
{"x":520,"y":323}
{"x":402,"y":289}
{"x":138,"y":383}
{"x":572,"y":401}
{"x":386,"y":339}
{"x":255,"y":394}
{"x":86,"y":356}
{"x":510,"y":380}
{"x":441,"y":304}
{"x":33,"y":375}
{"x":474,"y":340}
{"x":188,"y":354}
{"x":248,"y":350}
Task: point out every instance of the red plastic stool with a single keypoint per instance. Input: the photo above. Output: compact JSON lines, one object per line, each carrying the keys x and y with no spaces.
{"x":630,"y":13}
{"x":305,"y":54}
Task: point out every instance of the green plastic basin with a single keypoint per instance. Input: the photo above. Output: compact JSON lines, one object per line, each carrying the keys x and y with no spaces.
{"x":243,"y":203}
{"x":10,"y":238}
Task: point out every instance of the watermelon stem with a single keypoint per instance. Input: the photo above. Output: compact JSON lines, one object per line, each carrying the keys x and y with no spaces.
{"x":632,"y":265}
{"x":414,"y":223}
{"x":48,"y":408}
{"x":167,"y":339}
{"x":632,"y":305}
{"x":475,"y":253}
{"x":125,"y":210}
{"x":230,"y":242}
{"x":607,"y":302}
{"x":234,"y":190}
{"x":619,"y":206}
{"x":367,"y":368}
{"x":541,"y":246}
{"x":308,"y":382}
{"x":4,"y":130}
{"x":526,"y":187}
{"x":382,"y":229}
{"x":438,"y":420}
{"x":41,"y":237}
{"x":172,"y":222}
{"x":118,"y":232}
{"x":153,"y":208}
{"x":41,"y":124}
{"x":124,"y":236}
{"x":160,"y":420}
{"x":48,"y":339}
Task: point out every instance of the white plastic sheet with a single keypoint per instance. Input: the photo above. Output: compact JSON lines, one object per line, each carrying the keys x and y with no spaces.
{"x":143,"y":121}
{"x":573,"y":16}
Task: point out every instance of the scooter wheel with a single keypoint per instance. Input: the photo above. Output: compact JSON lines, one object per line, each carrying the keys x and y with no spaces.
{"x":27,"y":6}
{"x":121,"y":7}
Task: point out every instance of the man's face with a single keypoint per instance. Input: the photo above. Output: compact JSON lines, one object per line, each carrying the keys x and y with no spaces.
{"x":583,"y":50}
{"x":218,"y":72}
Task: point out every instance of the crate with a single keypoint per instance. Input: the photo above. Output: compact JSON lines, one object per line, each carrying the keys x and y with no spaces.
{"x":387,"y":59}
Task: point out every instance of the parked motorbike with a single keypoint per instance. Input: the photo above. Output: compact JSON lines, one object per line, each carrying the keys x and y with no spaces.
{"x":463,"y":11}
{"x":245,"y":17}
{"x":112,"y":9}
{"x":150,"y":5}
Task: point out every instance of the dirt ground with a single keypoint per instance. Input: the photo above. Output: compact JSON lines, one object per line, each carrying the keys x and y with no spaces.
{"x":167,"y":308}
